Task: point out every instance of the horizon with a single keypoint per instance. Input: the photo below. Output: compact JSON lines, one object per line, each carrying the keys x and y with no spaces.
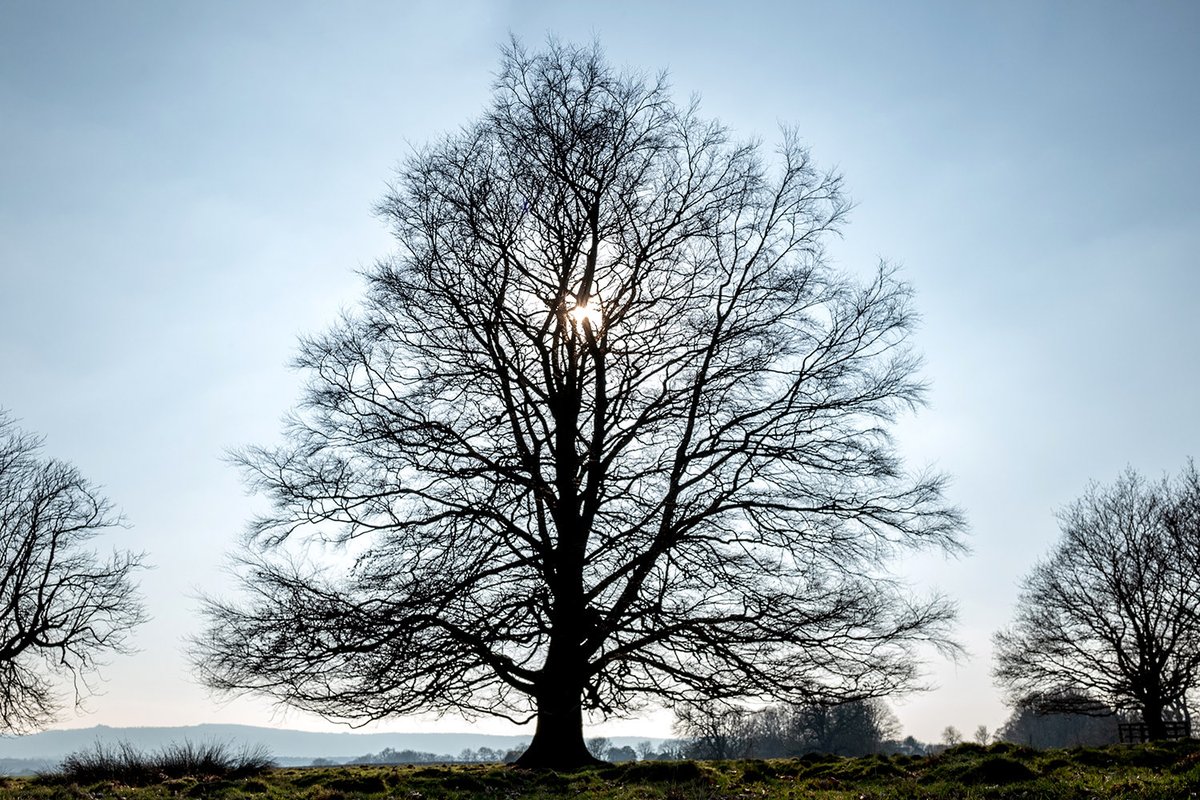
{"x":188,"y":191}
{"x":287,"y":744}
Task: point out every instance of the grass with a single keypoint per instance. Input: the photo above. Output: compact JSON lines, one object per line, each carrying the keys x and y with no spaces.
{"x":1169,"y":771}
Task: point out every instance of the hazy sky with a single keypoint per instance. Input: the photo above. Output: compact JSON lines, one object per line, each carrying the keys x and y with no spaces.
{"x":186,"y":187}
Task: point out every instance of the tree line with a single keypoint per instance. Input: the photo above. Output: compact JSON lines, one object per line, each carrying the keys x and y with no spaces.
{"x":611,"y":430}
{"x":718,"y":731}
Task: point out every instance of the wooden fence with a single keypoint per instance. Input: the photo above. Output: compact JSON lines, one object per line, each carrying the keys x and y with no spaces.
{"x":1134,"y":732}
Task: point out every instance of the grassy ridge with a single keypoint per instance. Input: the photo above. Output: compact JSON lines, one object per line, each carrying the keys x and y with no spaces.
{"x":1169,"y":771}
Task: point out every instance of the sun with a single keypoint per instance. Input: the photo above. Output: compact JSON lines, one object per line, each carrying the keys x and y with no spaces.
{"x":588,"y":312}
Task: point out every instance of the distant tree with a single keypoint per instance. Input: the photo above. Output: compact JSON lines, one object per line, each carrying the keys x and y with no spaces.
{"x":62,"y":604}
{"x":389,"y":755}
{"x":609,"y":428}
{"x":618,"y":754}
{"x":1032,"y":727}
{"x":776,"y":732}
{"x":672,"y":750}
{"x":514,"y":754}
{"x":484,"y":755}
{"x":646,"y":750}
{"x":850,"y":729}
{"x":1111,"y":619}
{"x":951,"y":736}
{"x":599,"y":746}
{"x":982,"y":736}
{"x":864,"y":726}
{"x":716,"y":731}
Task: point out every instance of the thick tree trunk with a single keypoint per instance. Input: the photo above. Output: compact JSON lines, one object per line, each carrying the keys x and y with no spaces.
{"x":1152,"y":715}
{"x":558,"y":740}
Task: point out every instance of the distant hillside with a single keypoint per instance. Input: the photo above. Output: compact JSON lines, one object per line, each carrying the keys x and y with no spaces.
{"x":286,"y":745}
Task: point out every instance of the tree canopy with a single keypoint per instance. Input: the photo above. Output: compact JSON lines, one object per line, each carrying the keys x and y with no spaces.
{"x":606,"y":429}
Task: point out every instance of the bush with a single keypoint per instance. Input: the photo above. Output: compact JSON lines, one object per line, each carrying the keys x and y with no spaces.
{"x":126,"y":764}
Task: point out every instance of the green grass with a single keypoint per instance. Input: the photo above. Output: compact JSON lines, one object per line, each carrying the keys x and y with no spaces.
{"x":1147,"y":772}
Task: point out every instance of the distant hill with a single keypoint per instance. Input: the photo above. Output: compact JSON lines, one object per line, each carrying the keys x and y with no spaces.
{"x":289,"y":747}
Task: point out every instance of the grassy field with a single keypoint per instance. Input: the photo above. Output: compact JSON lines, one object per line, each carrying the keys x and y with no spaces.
{"x":1170,"y":770}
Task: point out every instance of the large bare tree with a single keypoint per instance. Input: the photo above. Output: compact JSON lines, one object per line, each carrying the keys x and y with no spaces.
{"x":62,"y":605}
{"x":1110,"y":620}
{"x":606,"y":429}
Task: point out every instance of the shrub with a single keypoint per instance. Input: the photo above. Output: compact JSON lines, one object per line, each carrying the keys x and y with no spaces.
{"x":126,"y":764}
{"x":120,"y":762}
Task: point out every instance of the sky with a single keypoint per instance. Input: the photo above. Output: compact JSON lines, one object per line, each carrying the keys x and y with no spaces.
{"x":186,"y":188}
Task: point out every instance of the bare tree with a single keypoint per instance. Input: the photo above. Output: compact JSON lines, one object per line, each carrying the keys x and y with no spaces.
{"x":62,"y":605}
{"x":715,"y":730}
{"x":951,"y":736}
{"x":609,"y":428}
{"x":598,"y":746}
{"x":854,"y":728}
{"x":1111,"y":619}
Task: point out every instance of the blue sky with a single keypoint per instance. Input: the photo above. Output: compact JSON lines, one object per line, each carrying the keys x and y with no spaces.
{"x":186,"y":188}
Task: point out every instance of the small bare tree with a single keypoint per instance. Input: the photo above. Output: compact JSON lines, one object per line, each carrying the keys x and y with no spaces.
{"x":62,"y":605}
{"x":1111,"y":619}
{"x":609,"y":429}
{"x":951,"y":736}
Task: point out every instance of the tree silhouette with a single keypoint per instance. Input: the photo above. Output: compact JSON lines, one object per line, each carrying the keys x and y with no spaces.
{"x":606,"y":429}
{"x":61,"y":604}
{"x":1044,"y":730}
{"x":1110,"y":621}
{"x":951,"y":736}
{"x":719,"y":731}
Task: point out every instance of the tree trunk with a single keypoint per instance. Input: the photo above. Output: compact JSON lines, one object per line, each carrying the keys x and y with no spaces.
{"x":1152,"y":716}
{"x":558,"y":740}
